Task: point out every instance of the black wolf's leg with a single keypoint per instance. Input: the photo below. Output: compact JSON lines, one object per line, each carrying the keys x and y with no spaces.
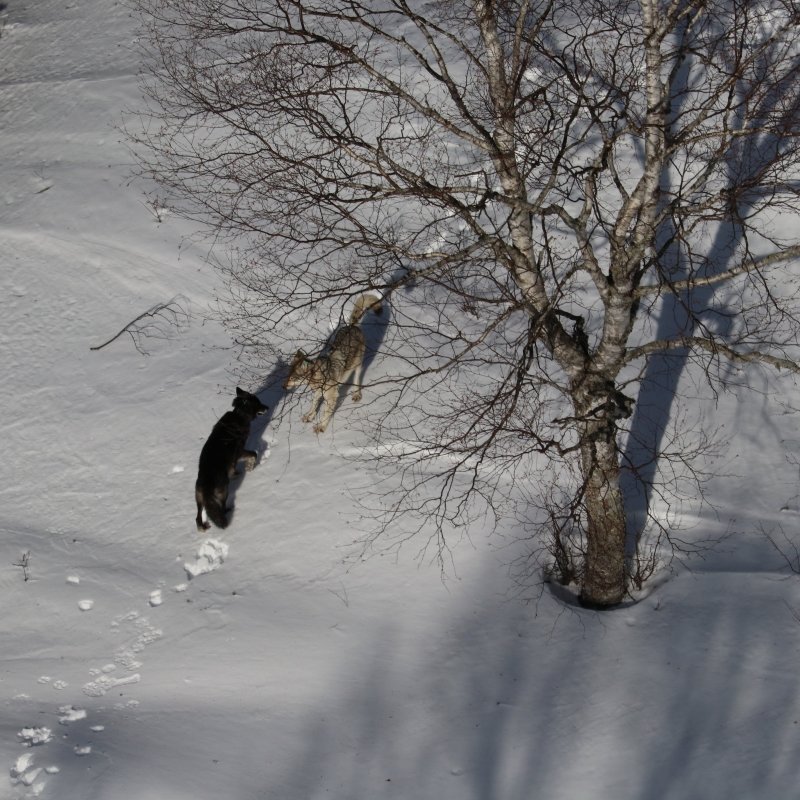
{"x":249,"y":457}
{"x":201,"y":526}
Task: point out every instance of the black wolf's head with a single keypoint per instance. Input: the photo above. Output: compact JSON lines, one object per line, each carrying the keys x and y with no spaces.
{"x":248,"y":404}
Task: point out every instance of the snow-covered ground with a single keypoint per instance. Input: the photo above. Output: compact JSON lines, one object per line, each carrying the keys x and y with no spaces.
{"x":140,"y":660}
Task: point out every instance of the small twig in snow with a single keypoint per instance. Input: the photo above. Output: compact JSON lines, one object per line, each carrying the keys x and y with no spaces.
{"x":24,"y":562}
{"x":154,"y":323}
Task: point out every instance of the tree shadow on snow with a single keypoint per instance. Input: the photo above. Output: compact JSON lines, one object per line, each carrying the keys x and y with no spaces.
{"x":681,"y":315}
{"x":688,"y":696}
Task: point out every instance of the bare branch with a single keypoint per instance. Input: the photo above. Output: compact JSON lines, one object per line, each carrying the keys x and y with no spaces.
{"x":713,"y":347}
{"x":745,"y":267}
{"x":158,"y":322}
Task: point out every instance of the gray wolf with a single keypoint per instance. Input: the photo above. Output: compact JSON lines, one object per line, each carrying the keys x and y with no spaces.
{"x":341,"y":362}
{"x":223,"y":449}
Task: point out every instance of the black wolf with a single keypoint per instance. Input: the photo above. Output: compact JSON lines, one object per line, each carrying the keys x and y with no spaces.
{"x":219,"y":456}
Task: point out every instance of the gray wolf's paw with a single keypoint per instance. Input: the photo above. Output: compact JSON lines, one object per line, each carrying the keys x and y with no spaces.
{"x":307,"y":417}
{"x":319,"y":428}
{"x":356,"y":396}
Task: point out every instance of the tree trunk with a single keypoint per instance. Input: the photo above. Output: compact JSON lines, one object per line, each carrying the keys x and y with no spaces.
{"x":599,"y":407}
{"x":604,"y":573}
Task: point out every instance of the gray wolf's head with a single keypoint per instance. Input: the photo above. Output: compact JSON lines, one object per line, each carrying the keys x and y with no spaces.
{"x":299,"y":370}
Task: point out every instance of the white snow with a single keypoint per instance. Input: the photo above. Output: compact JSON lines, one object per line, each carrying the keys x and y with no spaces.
{"x":70,"y":714}
{"x":34,"y":736}
{"x":209,"y":557}
{"x":284,"y":668}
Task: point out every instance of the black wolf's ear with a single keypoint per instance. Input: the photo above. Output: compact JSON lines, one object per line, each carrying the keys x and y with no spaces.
{"x":241,"y":392}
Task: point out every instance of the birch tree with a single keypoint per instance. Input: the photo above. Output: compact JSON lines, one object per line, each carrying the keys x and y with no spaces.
{"x":529,"y":184}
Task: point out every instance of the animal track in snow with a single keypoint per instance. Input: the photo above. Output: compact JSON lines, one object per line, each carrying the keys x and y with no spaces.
{"x":70,"y":714}
{"x":26,"y":773}
{"x":46,"y":679}
{"x":136,"y":633}
{"x":125,"y":656}
{"x":208,"y":558}
{"x":105,"y":683}
{"x":33,"y":736}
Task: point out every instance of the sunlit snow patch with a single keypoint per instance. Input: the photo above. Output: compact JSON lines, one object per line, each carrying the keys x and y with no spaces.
{"x":26,"y":773}
{"x":105,"y":683}
{"x":210,"y":555}
{"x":34,"y":736}
{"x":70,"y":714}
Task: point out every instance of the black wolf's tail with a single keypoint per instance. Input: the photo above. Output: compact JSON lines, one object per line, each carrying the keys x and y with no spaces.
{"x":365,"y":302}
{"x":215,"y":511}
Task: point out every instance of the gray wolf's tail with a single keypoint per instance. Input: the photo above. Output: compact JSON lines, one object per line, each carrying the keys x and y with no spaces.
{"x":365,"y":302}
{"x":215,"y":511}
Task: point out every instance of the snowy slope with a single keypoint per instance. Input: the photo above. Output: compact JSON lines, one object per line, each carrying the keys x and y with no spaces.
{"x":289,"y":669}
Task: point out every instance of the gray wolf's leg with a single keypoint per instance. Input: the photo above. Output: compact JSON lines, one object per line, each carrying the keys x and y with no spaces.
{"x":312,"y":412}
{"x":329,"y":406}
{"x":356,"y":376}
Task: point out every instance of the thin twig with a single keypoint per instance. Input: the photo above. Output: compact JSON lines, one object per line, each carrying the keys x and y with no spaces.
{"x":172,"y":314}
{"x":24,"y":562}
